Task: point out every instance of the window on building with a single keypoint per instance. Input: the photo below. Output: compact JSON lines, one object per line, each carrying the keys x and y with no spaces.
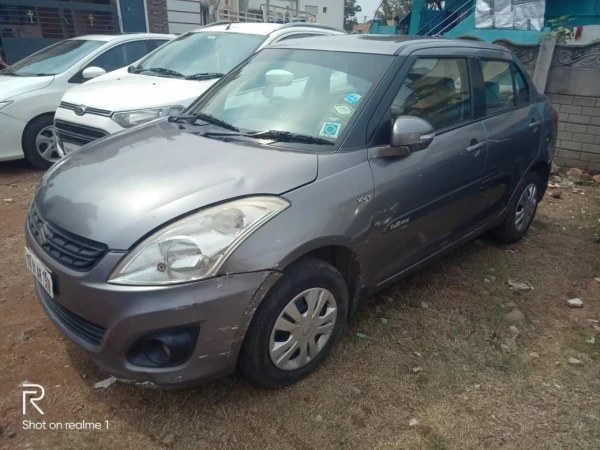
{"x":324,"y":9}
{"x":437,"y":90}
{"x":311,"y":9}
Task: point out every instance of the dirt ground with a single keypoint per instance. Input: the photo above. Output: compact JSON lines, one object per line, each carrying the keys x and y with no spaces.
{"x":432,"y":363}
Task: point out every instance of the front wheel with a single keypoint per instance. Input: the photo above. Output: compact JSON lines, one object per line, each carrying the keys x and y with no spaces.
{"x":296,"y":325}
{"x":39,"y":142}
{"x":521,"y":212}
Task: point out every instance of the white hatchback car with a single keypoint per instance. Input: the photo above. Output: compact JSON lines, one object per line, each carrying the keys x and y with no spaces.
{"x":167,"y":81}
{"x":31,"y":89}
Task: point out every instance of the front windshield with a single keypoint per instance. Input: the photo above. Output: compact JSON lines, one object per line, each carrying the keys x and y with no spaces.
{"x":308,"y":92}
{"x":203,"y":52}
{"x":54,"y":59}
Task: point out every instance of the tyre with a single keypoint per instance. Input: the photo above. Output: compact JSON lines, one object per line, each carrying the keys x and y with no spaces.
{"x":296,"y":325}
{"x":521,"y":212}
{"x":39,"y":142}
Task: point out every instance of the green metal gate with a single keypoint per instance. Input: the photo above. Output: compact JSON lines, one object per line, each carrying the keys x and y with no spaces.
{"x":27,"y":26}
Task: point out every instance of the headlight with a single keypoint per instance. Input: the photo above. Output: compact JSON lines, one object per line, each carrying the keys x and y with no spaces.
{"x":3,"y":104}
{"x":197,"y":246}
{"x":131,"y":118}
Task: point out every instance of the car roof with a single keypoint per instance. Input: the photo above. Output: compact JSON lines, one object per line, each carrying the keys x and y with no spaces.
{"x":259,"y":27}
{"x":122,"y":37}
{"x":380,"y":44}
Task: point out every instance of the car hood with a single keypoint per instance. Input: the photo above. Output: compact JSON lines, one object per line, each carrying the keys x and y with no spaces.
{"x":119,"y":189}
{"x":128,"y":91}
{"x":11,"y":86}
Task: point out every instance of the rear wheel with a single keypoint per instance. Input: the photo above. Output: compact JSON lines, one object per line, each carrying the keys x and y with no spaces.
{"x":521,"y":212}
{"x":39,"y":142}
{"x":296,"y":325}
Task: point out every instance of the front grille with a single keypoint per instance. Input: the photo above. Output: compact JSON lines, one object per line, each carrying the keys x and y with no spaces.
{"x":80,"y":327}
{"x":68,"y":249}
{"x":77,"y":134}
{"x":94,"y":111}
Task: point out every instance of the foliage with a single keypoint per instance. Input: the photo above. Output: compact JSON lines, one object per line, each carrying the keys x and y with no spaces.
{"x":560,"y":30}
{"x":350,"y":10}
{"x":393,"y":8}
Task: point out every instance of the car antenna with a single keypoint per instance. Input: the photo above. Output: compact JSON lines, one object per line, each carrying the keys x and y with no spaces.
{"x":227,"y":28}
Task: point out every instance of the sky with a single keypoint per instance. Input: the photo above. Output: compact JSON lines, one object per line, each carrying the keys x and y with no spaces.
{"x":368,"y":9}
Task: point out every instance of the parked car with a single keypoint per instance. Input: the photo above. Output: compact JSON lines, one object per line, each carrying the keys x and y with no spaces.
{"x":245,"y":232}
{"x":167,"y":81}
{"x":31,"y":89}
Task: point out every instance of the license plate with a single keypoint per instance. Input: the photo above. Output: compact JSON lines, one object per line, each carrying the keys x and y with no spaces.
{"x":43,"y":275}
{"x":68,"y":147}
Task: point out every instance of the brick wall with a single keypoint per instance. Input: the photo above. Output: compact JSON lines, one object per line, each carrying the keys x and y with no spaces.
{"x":578,"y":132}
{"x":158,"y":21}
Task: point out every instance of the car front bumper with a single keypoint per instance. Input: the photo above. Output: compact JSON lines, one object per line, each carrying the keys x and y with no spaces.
{"x":221,"y":308}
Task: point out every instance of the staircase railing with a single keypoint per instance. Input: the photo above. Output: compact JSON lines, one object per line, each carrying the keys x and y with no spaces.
{"x":423,"y":30}
{"x":453,"y":19}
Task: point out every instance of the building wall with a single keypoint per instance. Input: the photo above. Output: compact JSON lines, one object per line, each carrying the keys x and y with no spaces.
{"x":157,"y":16}
{"x":333,"y":15}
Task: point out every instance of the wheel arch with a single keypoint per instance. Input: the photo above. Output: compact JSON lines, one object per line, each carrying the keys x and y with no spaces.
{"x":29,"y":122}
{"x":542,"y":169}
{"x":344,"y":259}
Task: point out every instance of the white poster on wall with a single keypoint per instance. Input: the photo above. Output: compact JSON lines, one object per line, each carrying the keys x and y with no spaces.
{"x":510,"y":14}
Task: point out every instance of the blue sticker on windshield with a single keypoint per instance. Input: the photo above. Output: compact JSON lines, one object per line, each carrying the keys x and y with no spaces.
{"x":211,"y":37}
{"x":353,"y":98}
{"x":330,"y":129}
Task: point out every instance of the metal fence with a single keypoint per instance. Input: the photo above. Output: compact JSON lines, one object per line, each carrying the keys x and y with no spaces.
{"x":29,"y":25}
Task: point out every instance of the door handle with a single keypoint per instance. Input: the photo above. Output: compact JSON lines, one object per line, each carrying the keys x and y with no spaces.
{"x":475,"y":147}
{"x":535,"y":124}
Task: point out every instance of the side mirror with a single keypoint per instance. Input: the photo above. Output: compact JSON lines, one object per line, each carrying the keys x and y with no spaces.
{"x":412,"y":132}
{"x":278,"y":78}
{"x":92,"y":72}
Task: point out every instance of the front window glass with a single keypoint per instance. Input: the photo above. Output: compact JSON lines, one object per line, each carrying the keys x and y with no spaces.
{"x":54,"y":59}
{"x":498,"y":84}
{"x":199,"y":53}
{"x":308,"y":92}
{"x":437,"y":90}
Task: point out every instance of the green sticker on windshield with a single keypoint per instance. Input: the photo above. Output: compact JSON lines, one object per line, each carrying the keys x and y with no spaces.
{"x":343,"y":110}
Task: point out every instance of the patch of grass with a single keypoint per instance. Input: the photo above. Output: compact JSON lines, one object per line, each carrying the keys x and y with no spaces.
{"x":437,"y":442}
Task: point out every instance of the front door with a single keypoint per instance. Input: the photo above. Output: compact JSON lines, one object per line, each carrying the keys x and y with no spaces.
{"x":427,"y":200}
{"x":133,"y":16}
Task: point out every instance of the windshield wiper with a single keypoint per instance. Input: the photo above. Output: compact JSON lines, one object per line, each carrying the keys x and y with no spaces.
{"x":9,"y":74}
{"x":205,"y":76}
{"x":286,"y":136}
{"x":161,"y":70}
{"x":205,"y":118}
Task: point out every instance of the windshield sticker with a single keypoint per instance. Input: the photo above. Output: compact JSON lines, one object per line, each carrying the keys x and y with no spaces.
{"x":330,"y":129}
{"x":211,"y":37}
{"x":353,"y":98}
{"x":343,"y":110}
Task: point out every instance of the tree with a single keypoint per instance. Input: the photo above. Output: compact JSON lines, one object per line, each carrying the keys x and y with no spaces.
{"x":350,"y":10}
{"x":393,"y":8}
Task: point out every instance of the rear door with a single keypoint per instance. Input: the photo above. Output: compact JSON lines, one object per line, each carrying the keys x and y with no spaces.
{"x":513,"y":124}
{"x":429,"y":199}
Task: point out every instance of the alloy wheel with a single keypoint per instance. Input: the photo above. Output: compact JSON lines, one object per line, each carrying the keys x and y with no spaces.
{"x":526,"y":207}
{"x":303,"y":328}
{"x":45,"y":144}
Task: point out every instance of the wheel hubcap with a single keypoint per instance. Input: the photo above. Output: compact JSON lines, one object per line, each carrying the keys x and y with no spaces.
{"x":526,"y":207}
{"x":45,"y":143}
{"x":303,"y":328}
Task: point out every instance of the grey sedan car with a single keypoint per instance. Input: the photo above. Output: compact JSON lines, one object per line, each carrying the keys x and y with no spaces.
{"x":244,"y":233}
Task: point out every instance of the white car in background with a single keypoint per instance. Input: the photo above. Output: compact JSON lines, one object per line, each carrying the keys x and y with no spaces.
{"x":167,"y":81}
{"x":31,"y":89}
